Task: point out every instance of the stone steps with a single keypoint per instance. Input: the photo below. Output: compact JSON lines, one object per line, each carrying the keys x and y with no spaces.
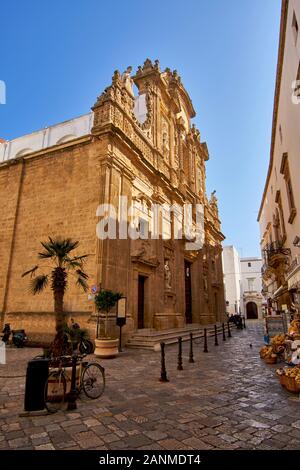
{"x":150,"y":339}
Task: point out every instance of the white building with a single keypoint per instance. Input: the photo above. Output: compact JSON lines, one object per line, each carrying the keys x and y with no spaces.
{"x":243,"y":284}
{"x":251,"y":286}
{"x":232,"y":279}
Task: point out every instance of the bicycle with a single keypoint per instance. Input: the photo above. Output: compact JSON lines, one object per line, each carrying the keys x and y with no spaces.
{"x":90,"y":379}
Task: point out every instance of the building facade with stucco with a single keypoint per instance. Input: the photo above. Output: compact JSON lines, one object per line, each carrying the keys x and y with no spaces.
{"x":144,"y":149}
{"x":279,"y":211}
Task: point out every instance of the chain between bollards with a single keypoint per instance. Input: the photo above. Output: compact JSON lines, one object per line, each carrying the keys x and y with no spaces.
{"x":191,"y":357}
{"x":228,"y":330}
{"x":223,"y":329}
{"x":163,"y":374}
{"x":205,"y":341}
{"x":216,"y":336}
{"x":179,"y":365}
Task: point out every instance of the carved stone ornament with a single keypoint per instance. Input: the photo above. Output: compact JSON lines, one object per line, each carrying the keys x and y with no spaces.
{"x":168,"y":275}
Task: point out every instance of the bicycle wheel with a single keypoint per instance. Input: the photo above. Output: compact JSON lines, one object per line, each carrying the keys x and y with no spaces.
{"x":93,"y":380}
{"x":55,"y":391}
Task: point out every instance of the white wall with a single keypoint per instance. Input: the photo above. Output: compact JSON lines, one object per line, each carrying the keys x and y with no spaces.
{"x":47,"y":137}
{"x":232,"y":278}
{"x":253,"y":272}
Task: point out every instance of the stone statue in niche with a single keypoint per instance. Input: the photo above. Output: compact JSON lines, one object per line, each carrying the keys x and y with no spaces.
{"x":168,"y":275}
{"x":127,"y":81}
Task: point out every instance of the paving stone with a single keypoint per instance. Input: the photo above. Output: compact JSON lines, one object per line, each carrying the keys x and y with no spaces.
{"x":40,"y":440}
{"x":14,"y":434}
{"x":274,"y":443}
{"x":87,"y":440}
{"x":91,"y":422}
{"x":76,"y":429}
{"x":227,"y":438}
{"x":231,"y":400}
{"x":195,"y":443}
{"x":65,"y":444}
{"x":19,"y":442}
{"x":281,"y":428}
{"x":45,"y":447}
{"x":155,"y":435}
{"x":173,"y":444}
{"x":108,"y":438}
{"x":296,"y":434}
{"x":138,"y":441}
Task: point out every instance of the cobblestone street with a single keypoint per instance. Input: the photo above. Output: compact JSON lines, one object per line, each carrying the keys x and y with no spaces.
{"x":228,"y":399}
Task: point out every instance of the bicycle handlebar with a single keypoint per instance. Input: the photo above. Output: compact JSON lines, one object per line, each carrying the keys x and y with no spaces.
{"x":64,"y":359}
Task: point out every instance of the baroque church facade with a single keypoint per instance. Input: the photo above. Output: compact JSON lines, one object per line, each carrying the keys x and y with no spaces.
{"x":140,"y":147}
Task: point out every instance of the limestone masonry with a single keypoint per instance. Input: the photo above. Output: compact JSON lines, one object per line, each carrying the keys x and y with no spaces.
{"x":52,"y":182}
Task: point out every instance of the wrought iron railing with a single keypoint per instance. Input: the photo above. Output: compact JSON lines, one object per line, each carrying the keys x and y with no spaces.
{"x":273,"y":249}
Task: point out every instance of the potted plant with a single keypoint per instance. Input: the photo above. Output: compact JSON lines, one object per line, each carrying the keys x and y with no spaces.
{"x":106,"y":345}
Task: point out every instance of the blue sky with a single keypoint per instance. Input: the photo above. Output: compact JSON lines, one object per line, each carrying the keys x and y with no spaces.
{"x":58,"y":56}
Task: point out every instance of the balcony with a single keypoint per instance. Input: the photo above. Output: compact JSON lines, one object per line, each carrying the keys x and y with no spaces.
{"x":275,"y":254}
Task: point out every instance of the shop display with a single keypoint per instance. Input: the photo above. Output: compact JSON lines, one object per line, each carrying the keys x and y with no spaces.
{"x":290,"y":378}
{"x":274,"y":351}
{"x":284,"y":347}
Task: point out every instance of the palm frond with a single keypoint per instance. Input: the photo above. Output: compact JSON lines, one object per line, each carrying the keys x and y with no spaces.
{"x":38,"y":284}
{"x":82,"y":274}
{"x":81,"y":259}
{"x":70,"y":264}
{"x":45,"y":255}
{"x":30,"y":271}
{"x":69,"y":245}
{"x":81,"y":282}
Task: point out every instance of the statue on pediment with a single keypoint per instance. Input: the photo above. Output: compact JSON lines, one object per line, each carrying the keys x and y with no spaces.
{"x":127,"y":81}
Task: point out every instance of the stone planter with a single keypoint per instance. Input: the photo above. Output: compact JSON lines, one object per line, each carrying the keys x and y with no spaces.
{"x":106,"y":348}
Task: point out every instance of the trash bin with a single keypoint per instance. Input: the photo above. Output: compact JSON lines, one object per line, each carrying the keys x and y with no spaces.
{"x":36,"y":377}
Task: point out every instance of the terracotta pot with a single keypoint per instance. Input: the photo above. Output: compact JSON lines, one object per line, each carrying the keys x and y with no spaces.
{"x":106,"y":348}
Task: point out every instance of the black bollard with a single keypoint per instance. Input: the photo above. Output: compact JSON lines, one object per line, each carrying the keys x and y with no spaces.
{"x":72,"y":405}
{"x":179,"y":365}
{"x":191,"y":358}
{"x":244,"y":321}
{"x":205,"y":341}
{"x":163,"y":373}
{"x":228,"y":330}
{"x":216,"y":336}
{"x":223,"y":328}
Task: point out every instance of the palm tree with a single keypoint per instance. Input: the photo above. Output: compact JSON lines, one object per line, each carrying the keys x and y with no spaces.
{"x":58,"y":250}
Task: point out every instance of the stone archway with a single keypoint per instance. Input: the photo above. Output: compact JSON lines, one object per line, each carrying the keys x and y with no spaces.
{"x":252,"y":311}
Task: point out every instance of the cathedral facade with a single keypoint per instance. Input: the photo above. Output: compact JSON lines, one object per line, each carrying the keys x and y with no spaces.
{"x":59,"y":181}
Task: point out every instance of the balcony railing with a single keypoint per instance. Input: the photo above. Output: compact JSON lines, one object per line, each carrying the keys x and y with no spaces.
{"x":274,"y":253}
{"x":276,"y":248}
